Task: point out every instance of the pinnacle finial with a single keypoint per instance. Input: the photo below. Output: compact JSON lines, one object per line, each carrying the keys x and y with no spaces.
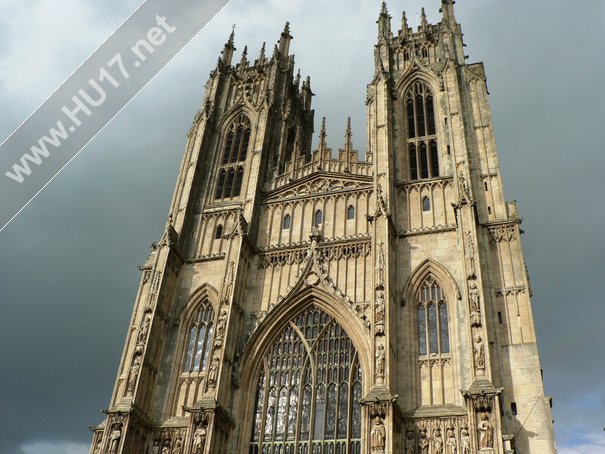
{"x":384,"y":10}
{"x":231,"y":39}
{"x":423,"y":20}
{"x":244,"y":59}
{"x":297,"y":79}
{"x":261,"y":56}
{"x":447,"y":9}
{"x":322,"y":135}
{"x":348,"y":136}
{"x":286,"y":28}
{"x":404,"y":23}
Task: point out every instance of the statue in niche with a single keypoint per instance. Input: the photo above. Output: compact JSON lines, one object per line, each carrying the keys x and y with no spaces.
{"x":213,"y":372}
{"x":380,"y":361}
{"x":134,"y":373}
{"x":423,"y":442}
{"x":463,"y":189}
{"x":450,"y":443}
{"x":177,"y":446}
{"x":199,"y":439}
{"x":473,"y":296}
{"x":221,"y":324}
{"x":166,"y":448}
{"x":469,"y":252}
{"x":144,"y":330}
{"x":380,"y":311}
{"x":479,"y":350}
{"x":486,"y":432}
{"x":465,"y":441}
{"x":114,"y":439}
{"x":410,"y":443}
{"x":155,"y":449}
{"x":437,"y":441}
{"x":377,"y":436}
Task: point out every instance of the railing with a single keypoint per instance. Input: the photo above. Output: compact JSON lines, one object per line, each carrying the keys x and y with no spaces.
{"x":306,"y":447}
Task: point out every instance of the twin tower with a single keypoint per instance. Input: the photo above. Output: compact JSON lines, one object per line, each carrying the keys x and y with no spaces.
{"x":313,"y":302}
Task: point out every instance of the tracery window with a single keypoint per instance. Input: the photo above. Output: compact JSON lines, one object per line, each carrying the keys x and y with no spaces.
{"x":200,"y":338}
{"x":307,"y":398}
{"x":433,"y":329}
{"x":235,"y":151}
{"x":423,"y":153}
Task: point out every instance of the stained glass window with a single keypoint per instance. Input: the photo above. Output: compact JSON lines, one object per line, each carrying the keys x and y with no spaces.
{"x":433,"y":329}
{"x":200,"y":338}
{"x":307,"y":398}
{"x":421,"y":132}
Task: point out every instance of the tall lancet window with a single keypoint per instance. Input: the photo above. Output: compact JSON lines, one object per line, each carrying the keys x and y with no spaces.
{"x":423,"y":155}
{"x":308,"y":392}
{"x":433,"y":329}
{"x":200,"y":338}
{"x":235,"y":151}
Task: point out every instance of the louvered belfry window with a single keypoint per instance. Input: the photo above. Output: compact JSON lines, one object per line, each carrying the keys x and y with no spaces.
{"x":423,"y":153}
{"x":235,"y":152}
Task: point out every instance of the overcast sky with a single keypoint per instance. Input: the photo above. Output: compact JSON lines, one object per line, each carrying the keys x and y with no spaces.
{"x":68,"y":263}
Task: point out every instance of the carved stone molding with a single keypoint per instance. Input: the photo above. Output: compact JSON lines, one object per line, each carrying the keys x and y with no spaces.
{"x":508,"y":291}
{"x":502,"y":233}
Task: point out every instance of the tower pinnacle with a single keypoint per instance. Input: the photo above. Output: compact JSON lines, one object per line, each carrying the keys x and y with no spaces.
{"x":348,"y":136}
{"x":322,"y":135}
{"x":423,"y":21}
{"x":227,"y":54}
{"x":447,"y":9}
{"x":384,"y":22}
{"x":284,"y":40}
{"x":404,"y":24}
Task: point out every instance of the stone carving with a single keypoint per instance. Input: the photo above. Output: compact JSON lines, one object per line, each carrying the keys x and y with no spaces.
{"x":486,"y":432}
{"x":378,"y":436}
{"x":473,"y":296}
{"x":410,"y":442}
{"x":437,"y":441}
{"x":380,"y":263}
{"x":465,"y":441}
{"x":166,"y":448}
{"x":423,"y":442}
{"x":464,"y":192}
{"x":178,"y":447}
{"x":134,"y":373}
{"x":221,"y":324}
{"x":114,"y":439}
{"x":450,"y":443}
{"x":142,"y":337}
{"x":479,"y":353}
{"x":199,"y":439}
{"x":469,"y":253}
{"x":380,"y":363}
{"x":380,"y":311}
{"x":213,"y":372}
{"x":155,"y":449}
{"x":502,"y":233}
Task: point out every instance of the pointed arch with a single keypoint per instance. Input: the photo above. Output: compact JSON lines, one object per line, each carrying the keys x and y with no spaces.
{"x":422,"y":271}
{"x":309,"y":328}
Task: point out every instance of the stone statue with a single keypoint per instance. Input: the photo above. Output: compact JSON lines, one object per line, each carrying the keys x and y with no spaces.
{"x":423,"y":442}
{"x":380,"y":311}
{"x":377,"y":436}
{"x":410,"y":443}
{"x":465,"y":441}
{"x":486,"y":432}
{"x":144,"y":330}
{"x":177,"y":446}
{"x":199,"y":439}
{"x":473,"y":296}
{"x":380,"y":361}
{"x":166,"y":448}
{"x":134,"y":373}
{"x":114,"y":439}
{"x":213,"y":372}
{"x":437,"y":441}
{"x":479,"y":350}
{"x":451,"y":445}
{"x":469,"y":252}
{"x":221,"y":324}
{"x":155,"y":449}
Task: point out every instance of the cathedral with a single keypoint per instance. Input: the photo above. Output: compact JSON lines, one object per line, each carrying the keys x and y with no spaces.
{"x":319,"y":301}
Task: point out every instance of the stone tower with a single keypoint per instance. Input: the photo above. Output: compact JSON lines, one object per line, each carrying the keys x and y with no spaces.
{"x":307,"y":301}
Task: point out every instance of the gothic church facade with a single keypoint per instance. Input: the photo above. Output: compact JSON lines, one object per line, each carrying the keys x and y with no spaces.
{"x":307,"y":301}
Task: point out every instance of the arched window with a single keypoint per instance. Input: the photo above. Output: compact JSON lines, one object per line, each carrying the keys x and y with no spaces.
{"x":287,"y":222}
{"x":433,"y":329}
{"x":235,"y":151}
{"x":351,"y":212}
{"x":218,"y":233}
{"x":318,"y":219}
{"x":426,"y":204}
{"x":423,"y":154}
{"x":200,"y":338}
{"x":308,"y":390}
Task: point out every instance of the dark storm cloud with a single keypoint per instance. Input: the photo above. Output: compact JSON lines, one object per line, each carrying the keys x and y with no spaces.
{"x":68,"y":272}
